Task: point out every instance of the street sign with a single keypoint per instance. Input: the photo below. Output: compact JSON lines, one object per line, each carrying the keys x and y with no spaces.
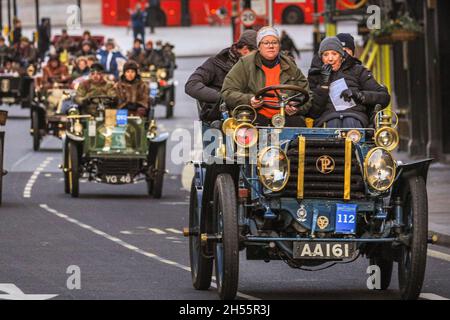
{"x":248,"y":17}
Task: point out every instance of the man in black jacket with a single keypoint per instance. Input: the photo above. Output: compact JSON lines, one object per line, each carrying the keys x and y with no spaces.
{"x":363,"y":89}
{"x":206,"y":82}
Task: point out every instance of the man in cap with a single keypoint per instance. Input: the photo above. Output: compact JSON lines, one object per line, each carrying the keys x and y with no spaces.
{"x":95,"y":86}
{"x":263,"y":68}
{"x":206,"y":82}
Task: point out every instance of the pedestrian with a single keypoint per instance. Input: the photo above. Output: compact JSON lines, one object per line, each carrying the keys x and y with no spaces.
{"x":132,"y":92}
{"x":153,"y":8}
{"x":138,"y":23}
{"x":263,"y":68}
{"x":206,"y":82}
{"x":364,"y":92}
{"x":44,"y":37}
{"x":17,"y":31}
{"x":288,"y":45}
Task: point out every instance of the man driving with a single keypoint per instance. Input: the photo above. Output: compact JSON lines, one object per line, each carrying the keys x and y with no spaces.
{"x":266,"y":67}
{"x":96,"y":85}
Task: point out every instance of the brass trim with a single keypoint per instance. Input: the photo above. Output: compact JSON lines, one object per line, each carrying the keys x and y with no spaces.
{"x":357,"y":132}
{"x":366,"y":161}
{"x":258,"y":166}
{"x":301,"y":167}
{"x":394,"y":133}
{"x":348,"y":169}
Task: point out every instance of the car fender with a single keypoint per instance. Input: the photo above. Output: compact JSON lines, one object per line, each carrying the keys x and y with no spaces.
{"x":406,"y":170}
{"x":162,"y":137}
{"x":73,"y":137}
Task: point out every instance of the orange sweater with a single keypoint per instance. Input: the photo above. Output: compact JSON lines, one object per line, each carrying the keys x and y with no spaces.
{"x":272,"y":79}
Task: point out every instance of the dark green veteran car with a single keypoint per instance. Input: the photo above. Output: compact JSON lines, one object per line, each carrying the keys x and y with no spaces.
{"x":311,"y":197}
{"x":114,"y":148}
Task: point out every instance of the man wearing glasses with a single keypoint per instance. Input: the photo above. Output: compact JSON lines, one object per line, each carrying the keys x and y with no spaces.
{"x":265,"y":67}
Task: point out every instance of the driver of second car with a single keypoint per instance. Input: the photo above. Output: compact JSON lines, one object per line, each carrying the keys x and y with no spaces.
{"x":95,"y":86}
{"x":265,"y":67}
{"x":132,"y":91}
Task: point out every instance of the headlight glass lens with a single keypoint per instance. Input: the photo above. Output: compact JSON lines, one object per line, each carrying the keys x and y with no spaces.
{"x":246,"y":135}
{"x":161,"y":74}
{"x":380,"y":169}
{"x":78,"y":128}
{"x":273,"y":168}
{"x":387,"y":138}
{"x":354,"y":135}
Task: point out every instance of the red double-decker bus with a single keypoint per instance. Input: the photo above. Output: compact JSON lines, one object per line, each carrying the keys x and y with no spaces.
{"x":204,"y":12}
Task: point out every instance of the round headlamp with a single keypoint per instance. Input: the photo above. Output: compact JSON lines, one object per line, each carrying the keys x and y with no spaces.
{"x":245,"y":135}
{"x":273,"y":168}
{"x":354,"y":135}
{"x":380,"y":169}
{"x":78,"y":128}
{"x":387,"y":138}
{"x":161,"y":74}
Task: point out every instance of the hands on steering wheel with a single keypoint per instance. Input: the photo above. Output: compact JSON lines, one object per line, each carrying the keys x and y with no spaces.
{"x":283,"y":100}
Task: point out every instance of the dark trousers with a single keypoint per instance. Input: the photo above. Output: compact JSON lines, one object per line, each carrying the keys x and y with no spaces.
{"x":139,"y":31}
{"x":347,"y":122}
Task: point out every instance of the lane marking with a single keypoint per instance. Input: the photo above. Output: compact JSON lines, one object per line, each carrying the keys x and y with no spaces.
{"x":174,"y":230}
{"x":432,"y":296}
{"x":131,"y":247}
{"x":438,"y":255}
{"x":157,"y":231}
{"x":29,"y":186}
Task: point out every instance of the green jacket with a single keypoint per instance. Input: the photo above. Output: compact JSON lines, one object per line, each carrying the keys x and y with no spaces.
{"x":89,"y":89}
{"x":247,"y":77}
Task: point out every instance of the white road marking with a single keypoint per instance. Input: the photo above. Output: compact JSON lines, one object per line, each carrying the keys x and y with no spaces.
{"x":14,"y":293}
{"x":29,"y":186}
{"x":157,"y":231}
{"x":125,"y":232}
{"x":174,"y":230}
{"x":131,"y":247}
{"x":180,"y":203}
{"x":432,"y":296}
{"x":438,"y":255}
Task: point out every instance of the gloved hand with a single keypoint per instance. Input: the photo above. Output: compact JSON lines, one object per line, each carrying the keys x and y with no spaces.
{"x":354,"y":94}
{"x":325,"y":74}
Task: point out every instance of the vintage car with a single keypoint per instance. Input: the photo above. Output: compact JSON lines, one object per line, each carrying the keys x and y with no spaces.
{"x":47,"y":112}
{"x":311,"y":197}
{"x":162,"y":87}
{"x":3,"y":118}
{"x":112,"y":147}
{"x":18,"y":89}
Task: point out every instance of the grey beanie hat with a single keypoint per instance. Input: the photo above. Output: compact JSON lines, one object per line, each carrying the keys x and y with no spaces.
{"x":267,"y":31}
{"x":331,"y":43}
{"x":248,"y":38}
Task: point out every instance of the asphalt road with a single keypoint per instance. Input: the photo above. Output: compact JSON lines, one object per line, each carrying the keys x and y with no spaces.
{"x":129,"y":246}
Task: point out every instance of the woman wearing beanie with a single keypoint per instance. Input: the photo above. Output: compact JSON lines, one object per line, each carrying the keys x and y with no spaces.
{"x":363,"y":89}
{"x":133,"y":93}
{"x":265,"y":67}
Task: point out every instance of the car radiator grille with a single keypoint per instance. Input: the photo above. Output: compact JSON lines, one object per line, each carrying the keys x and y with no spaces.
{"x":119,"y":167}
{"x":315,"y":184}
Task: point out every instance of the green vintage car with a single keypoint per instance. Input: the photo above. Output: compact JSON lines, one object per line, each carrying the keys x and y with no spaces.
{"x":114,"y":148}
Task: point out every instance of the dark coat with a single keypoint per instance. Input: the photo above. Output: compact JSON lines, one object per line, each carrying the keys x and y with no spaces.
{"x":135,"y":92}
{"x":357,"y":77}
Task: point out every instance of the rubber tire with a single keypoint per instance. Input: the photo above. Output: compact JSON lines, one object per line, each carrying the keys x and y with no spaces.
{"x":1,"y":170}
{"x":415,"y":200}
{"x":66,"y":165}
{"x":155,"y":186}
{"x":170,"y":96}
{"x":226,"y":251}
{"x":293,"y":10}
{"x":386,"y":265}
{"x":36,"y":135}
{"x":74,"y":170}
{"x":201,"y":266}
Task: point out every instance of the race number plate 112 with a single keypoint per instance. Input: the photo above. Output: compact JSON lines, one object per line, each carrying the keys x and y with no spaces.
{"x":345,"y":218}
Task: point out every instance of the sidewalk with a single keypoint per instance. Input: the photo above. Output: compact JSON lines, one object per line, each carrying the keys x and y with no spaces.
{"x":438,"y":188}
{"x":196,"y":41}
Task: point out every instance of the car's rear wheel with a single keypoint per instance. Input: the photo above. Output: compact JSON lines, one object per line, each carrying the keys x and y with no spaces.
{"x":73,"y":170}
{"x":36,"y":132}
{"x":226,"y":249}
{"x":170,"y":102}
{"x":413,"y":257}
{"x":66,"y":167}
{"x":201,"y":266}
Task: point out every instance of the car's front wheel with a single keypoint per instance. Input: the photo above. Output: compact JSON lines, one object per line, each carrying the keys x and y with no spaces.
{"x":73,"y":170}
{"x":226,"y":250}
{"x":36,"y":130}
{"x":413,"y":257}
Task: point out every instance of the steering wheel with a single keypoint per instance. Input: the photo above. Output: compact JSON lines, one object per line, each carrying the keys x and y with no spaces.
{"x":101,"y":100}
{"x":282,"y":98}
